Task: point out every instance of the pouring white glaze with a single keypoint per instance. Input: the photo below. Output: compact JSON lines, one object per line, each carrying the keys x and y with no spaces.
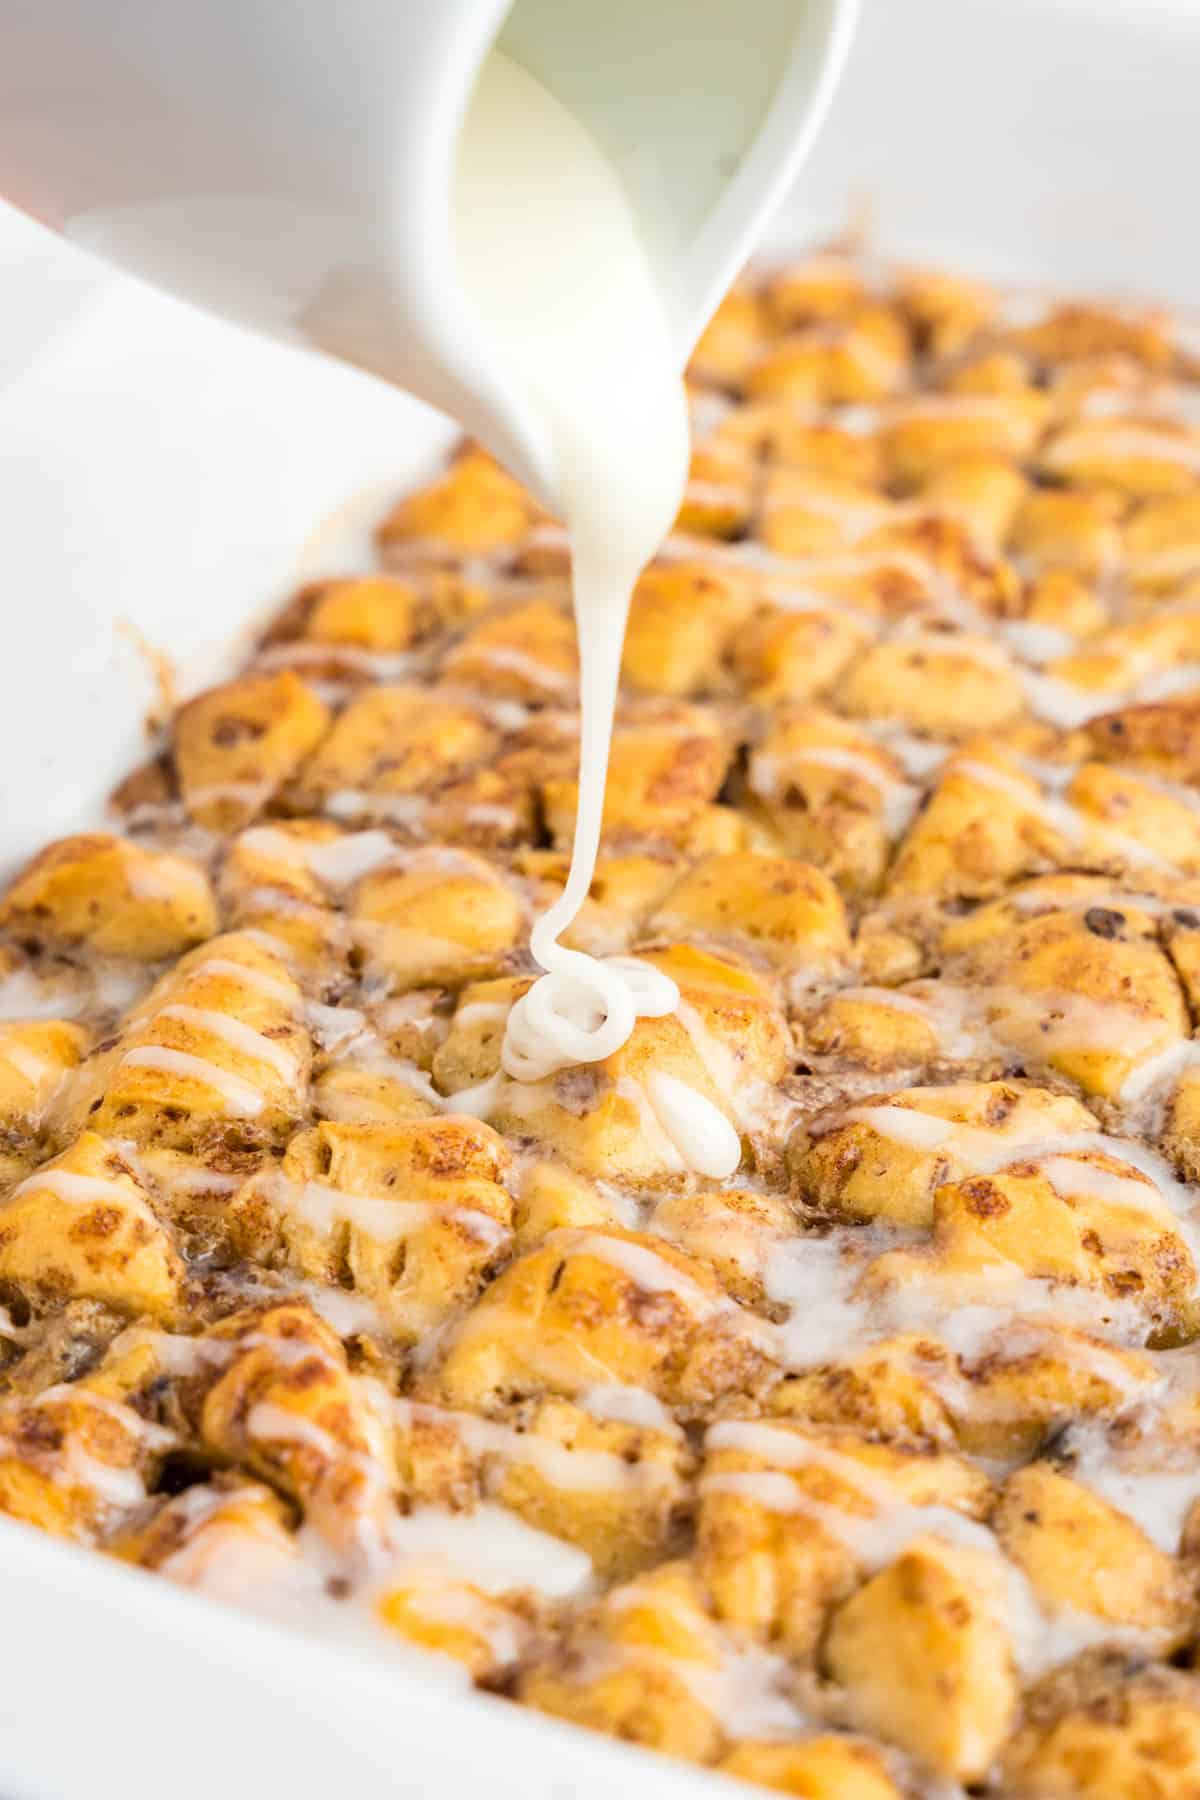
{"x":549,"y":251}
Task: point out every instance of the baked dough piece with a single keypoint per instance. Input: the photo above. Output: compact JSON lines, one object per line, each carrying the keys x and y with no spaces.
{"x":1138,"y":458}
{"x":76,"y":1460}
{"x":526,"y":652}
{"x":236,"y":745}
{"x":217,"y":1050}
{"x":925,"y":1653}
{"x":888,"y":1157}
{"x":728,"y":1042}
{"x":113,"y":896}
{"x":1002,"y":1399}
{"x":227,"y":1537}
{"x":624,"y":891}
{"x":619,"y":1488}
{"x":730,"y":341}
{"x":664,"y":776}
{"x":82,"y":1227}
{"x":681,"y":620}
{"x":412,"y":1216}
{"x":1082,"y":1554}
{"x":722,"y":484}
{"x":861,"y":357}
{"x":474,"y":507}
{"x":821,"y":1768}
{"x":832,"y":795}
{"x":649,"y":1664}
{"x":436,"y":917}
{"x":37,"y":1060}
{"x":792,"y":1517}
{"x":434,"y":1611}
{"x":283,"y":1405}
{"x":1085,"y":1220}
{"x":387,"y":751}
{"x":783,"y":912}
{"x":617,"y":1307}
{"x":923,"y":435}
{"x":783,"y":653}
{"x":1108,"y":1730}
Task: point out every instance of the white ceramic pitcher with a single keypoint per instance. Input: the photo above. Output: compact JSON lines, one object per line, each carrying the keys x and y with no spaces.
{"x":289,"y":163}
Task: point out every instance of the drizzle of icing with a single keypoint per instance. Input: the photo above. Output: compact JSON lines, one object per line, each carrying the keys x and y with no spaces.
{"x":596,"y":361}
{"x":239,"y":1036}
{"x":242,"y":1097}
{"x":77,"y":1190}
{"x":582,"y":1010}
{"x":701,"y":1133}
{"x":386,"y":1219}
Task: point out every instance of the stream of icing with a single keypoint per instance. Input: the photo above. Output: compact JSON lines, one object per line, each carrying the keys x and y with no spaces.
{"x":584,"y":326}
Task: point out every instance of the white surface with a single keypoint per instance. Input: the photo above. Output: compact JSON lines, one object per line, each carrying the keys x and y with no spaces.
{"x":1031,"y":139}
{"x":118,"y":1685}
{"x":159,"y":469}
{"x":148,"y":451}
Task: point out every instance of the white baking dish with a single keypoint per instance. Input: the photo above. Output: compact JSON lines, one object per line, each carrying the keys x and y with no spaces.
{"x":160,"y":468}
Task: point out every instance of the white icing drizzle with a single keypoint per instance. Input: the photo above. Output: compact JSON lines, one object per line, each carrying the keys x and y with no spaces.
{"x":349,"y":1314}
{"x":1040,"y":1639}
{"x":385,"y":1219}
{"x":380,"y":665}
{"x":654,"y":1274}
{"x":1068,"y":706}
{"x":250,"y":794}
{"x":707,"y":1143}
{"x":242,"y":1097}
{"x":1127,"y":439}
{"x":26,"y":1063}
{"x":333,"y":1026}
{"x":495,"y":1550}
{"x":508,"y":659}
{"x":652,"y":1128}
{"x":818,"y":1281}
{"x":898,"y":799}
{"x":1155,"y":1484}
{"x":70,"y":1465}
{"x":339,"y":863}
{"x":482,"y":1012}
{"x":178,"y":1354}
{"x":1036,"y":643}
{"x":278,"y":1425}
{"x":563,"y":1466}
{"x":1160,"y":1071}
{"x":77,"y":1190}
{"x":25,"y":996}
{"x":398,"y":809}
{"x":584,"y":1010}
{"x":1046,"y":899}
{"x":650,"y":1272}
{"x":239,"y":1036}
{"x":433,"y":1592}
{"x":628,"y":1405}
{"x":273,"y":987}
{"x":742,"y":1687}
